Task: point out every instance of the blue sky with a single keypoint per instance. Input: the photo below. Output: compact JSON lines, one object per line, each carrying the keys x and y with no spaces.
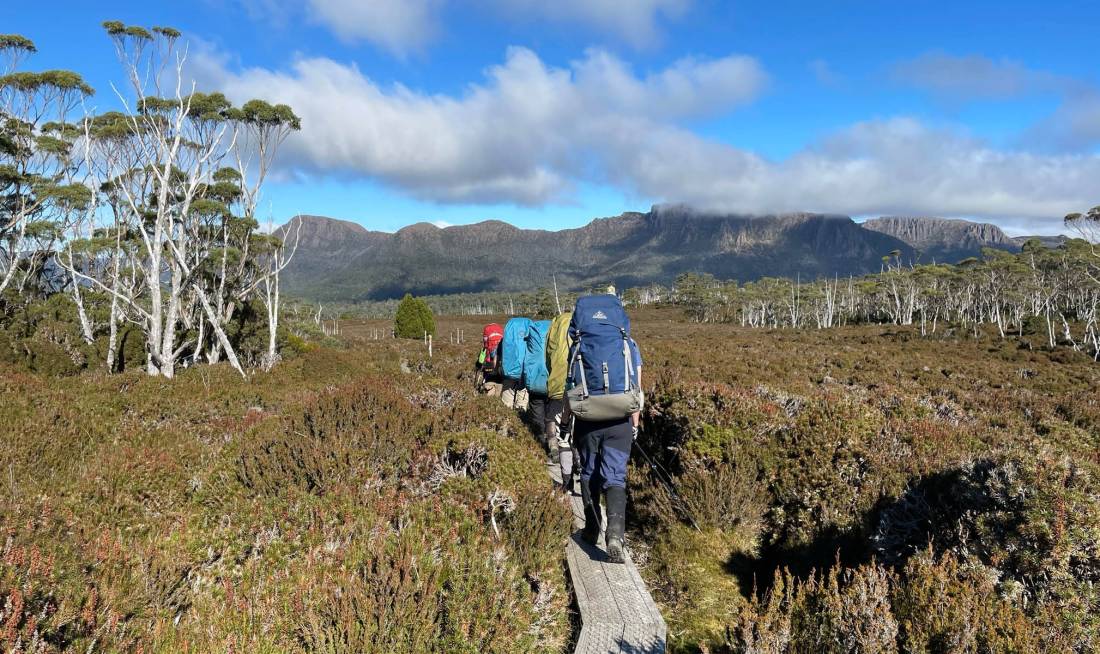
{"x":549,"y":114}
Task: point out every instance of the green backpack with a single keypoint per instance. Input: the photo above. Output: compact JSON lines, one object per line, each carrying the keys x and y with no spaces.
{"x":557,"y":356}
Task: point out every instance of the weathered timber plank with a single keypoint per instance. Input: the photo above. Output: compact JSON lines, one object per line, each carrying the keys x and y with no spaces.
{"x":618,"y":615}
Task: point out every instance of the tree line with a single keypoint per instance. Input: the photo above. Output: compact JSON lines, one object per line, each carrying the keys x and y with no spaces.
{"x":545,"y":302}
{"x":143,"y":218}
{"x":1055,"y":292}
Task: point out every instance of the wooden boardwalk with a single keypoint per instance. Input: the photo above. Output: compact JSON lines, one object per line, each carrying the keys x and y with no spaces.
{"x":618,"y":616}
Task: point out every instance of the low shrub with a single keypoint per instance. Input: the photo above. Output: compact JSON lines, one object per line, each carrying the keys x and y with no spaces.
{"x":873,"y":465}
{"x":297,"y":510}
{"x":933,"y":605}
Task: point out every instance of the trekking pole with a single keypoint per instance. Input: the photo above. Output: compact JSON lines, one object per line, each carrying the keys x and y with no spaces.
{"x":666,"y":481}
{"x":595,"y":509}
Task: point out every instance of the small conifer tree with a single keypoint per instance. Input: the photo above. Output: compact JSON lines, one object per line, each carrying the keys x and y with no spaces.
{"x":414,"y":318}
{"x":427,"y":319}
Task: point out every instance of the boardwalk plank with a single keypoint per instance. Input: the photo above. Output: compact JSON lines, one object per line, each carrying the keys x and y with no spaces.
{"x":618,"y":615}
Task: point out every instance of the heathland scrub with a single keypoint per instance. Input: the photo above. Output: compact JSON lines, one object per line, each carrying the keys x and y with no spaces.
{"x":861,"y":487}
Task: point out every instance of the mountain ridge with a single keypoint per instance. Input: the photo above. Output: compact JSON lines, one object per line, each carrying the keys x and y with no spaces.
{"x":338,"y":260}
{"x":343,"y":261}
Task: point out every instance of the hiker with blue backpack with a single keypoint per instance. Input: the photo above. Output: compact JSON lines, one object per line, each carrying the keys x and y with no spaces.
{"x":513,"y":353}
{"x":535,"y":376}
{"x":523,"y":370}
{"x":604,"y":399}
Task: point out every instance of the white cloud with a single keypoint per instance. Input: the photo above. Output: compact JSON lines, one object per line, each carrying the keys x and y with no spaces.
{"x":897,"y":166}
{"x":635,"y":21}
{"x":525,"y":135}
{"x":400,"y":26}
{"x":442,"y":224}
{"x":530,"y":133}
{"x":406,"y":26}
{"x":690,"y":88}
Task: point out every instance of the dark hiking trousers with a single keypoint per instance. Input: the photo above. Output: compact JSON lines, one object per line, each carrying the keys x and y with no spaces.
{"x":604,"y":449}
{"x":536,"y":416}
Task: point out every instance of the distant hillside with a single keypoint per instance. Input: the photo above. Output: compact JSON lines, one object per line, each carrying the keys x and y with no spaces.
{"x":337,"y":260}
{"x":943,"y":240}
{"x":1049,"y":241}
{"x":325,"y":245}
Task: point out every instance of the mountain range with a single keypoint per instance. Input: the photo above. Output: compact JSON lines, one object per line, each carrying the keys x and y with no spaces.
{"x":338,"y":260}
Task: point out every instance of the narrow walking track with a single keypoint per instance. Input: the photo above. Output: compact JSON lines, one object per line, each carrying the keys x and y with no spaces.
{"x":618,"y":616}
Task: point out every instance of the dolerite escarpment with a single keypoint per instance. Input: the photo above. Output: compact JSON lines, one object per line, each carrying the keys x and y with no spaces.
{"x":338,"y":260}
{"x":943,"y":240}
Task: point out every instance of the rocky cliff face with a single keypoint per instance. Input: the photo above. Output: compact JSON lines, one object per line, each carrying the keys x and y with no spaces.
{"x":941,"y":239}
{"x":342,"y":261}
{"x":1048,"y":241}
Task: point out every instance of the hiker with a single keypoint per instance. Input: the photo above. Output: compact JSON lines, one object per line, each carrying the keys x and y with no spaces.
{"x":557,"y":365}
{"x":513,"y":351}
{"x":604,"y":398}
{"x":534,"y":378}
{"x":488,"y":361}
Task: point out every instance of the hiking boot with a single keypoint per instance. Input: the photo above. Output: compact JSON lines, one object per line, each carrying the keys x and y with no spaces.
{"x":568,"y":485}
{"x":591,"y":501}
{"x":616,"y":524}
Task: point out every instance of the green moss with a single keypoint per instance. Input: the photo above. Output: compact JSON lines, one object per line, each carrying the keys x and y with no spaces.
{"x":701,"y":597}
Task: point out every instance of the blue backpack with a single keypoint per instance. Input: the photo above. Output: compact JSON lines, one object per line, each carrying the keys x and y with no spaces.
{"x":603,"y":374}
{"x":513,"y":348}
{"x":534,"y":364}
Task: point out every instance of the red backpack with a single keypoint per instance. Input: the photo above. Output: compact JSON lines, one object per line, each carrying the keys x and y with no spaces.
{"x":490,"y":343}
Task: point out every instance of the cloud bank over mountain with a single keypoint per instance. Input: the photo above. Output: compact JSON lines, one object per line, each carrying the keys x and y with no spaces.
{"x":529,"y":133}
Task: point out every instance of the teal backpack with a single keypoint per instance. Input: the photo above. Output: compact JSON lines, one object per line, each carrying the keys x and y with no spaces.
{"x":514,"y":348}
{"x":534,"y":363}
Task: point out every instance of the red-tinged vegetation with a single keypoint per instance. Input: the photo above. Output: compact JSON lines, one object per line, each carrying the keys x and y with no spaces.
{"x":336,"y":504}
{"x":852,"y":490}
{"x":863,"y":489}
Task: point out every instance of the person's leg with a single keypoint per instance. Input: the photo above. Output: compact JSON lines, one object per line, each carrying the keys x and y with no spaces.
{"x":536,"y":417}
{"x":591,"y":480}
{"x":552,"y":426}
{"x":508,"y":393}
{"x":560,"y":450}
{"x":493,"y":387}
{"x":614,"y":455}
{"x":565,"y":460}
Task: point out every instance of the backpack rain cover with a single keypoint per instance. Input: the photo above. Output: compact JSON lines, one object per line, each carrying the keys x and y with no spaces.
{"x":557,"y":356}
{"x":534,"y":364}
{"x":514,"y":347}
